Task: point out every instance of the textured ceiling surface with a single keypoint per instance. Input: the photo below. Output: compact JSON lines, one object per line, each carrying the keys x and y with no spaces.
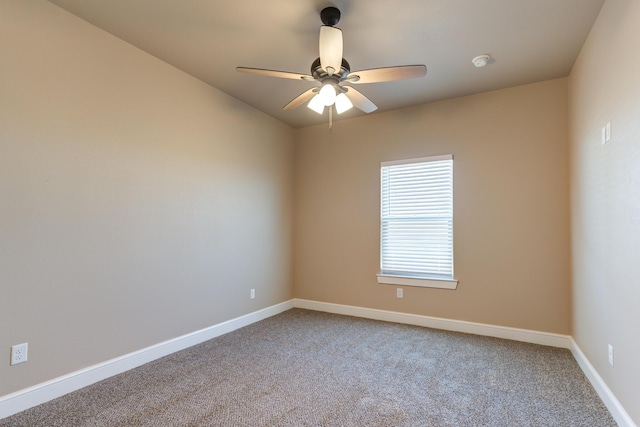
{"x":529,"y":41}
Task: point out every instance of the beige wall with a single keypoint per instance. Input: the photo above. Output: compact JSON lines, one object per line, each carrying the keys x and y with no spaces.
{"x":511,"y":208}
{"x":137,"y":203}
{"x":605,"y":195}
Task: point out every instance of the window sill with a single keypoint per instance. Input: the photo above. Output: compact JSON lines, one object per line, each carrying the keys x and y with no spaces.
{"x":387,"y":279}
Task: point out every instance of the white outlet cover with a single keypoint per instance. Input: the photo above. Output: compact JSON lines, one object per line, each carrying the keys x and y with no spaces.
{"x":399,"y":293}
{"x":19,"y":353}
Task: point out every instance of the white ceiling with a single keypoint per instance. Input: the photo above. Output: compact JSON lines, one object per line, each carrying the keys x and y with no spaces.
{"x":530,"y":41}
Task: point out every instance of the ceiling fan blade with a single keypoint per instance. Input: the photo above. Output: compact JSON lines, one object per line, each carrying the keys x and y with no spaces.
{"x":301,"y":99}
{"x":360,"y":101}
{"x":387,"y":74}
{"x":274,"y":73}
{"x":330,"y":49}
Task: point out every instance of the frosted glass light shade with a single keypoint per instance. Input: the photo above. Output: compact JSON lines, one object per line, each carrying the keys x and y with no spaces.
{"x":327,"y":94}
{"x":316,"y":104}
{"x":343,"y":103}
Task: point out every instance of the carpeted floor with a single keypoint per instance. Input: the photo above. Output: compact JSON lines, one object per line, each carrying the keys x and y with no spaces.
{"x":305,"y":368}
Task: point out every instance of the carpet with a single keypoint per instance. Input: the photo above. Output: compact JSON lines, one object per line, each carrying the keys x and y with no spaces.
{"x":307,"y":368}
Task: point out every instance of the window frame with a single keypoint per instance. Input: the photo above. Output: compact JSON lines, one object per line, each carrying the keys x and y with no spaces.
{"x":408,"y":278}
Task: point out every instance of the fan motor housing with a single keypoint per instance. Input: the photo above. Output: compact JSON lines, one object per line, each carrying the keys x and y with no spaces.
{"x":319,"y":74}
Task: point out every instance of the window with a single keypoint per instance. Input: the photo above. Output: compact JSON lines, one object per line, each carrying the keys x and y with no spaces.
{"x":416,"y":233}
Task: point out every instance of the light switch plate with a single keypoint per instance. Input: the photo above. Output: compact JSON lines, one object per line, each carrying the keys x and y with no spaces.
{"x":606,"y":133}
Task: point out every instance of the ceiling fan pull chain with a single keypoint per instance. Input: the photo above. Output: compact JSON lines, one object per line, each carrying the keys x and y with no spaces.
{"x":330,"y":118}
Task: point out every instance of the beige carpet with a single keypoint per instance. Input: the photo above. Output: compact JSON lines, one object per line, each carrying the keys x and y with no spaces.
{"x":305,"y":368}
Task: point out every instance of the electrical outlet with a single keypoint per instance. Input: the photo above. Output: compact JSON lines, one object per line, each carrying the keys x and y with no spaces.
{"x":399,"y":293}
{"x":610,"y":355}
{"x":253,"y":293}
{"x":19,"y":353}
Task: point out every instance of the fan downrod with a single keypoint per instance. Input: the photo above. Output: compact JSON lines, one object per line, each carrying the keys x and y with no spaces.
{"x":330,"y":16}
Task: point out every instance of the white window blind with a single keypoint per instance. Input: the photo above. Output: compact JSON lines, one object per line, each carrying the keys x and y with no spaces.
{"x":417,"y":217}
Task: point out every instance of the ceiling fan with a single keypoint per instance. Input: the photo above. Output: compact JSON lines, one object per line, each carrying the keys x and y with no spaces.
{"x":333,"y":72}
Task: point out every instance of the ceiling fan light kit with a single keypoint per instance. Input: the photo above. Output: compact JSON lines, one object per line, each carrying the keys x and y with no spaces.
{"x":330,"y":69}
{"x":316,"y":104}
{"x":327,"y":95}
{"x":343,"y":103}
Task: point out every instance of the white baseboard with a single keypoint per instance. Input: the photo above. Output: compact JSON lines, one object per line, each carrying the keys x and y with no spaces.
{"x":613,"y":405}
{"x":19,"y":401}
{"x":515,"y":334}
{"x":23,"y":399}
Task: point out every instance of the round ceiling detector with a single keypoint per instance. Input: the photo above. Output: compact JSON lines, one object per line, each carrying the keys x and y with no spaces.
{"x":481,"y":61}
